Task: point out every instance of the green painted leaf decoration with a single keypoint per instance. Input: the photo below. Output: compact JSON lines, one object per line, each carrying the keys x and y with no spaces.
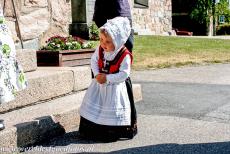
{"x":14,"y":91}
{"x":21,"y":78}
{"x":2,"y":20}
{"x":6,"y":49}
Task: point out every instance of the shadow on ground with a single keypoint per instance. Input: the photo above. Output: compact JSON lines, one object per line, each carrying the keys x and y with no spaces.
{"x":169,"y":148}
{"x":202,"y":148}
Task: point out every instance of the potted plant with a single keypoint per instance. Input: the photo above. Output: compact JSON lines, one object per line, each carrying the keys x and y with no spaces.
{"x":65,"y":51}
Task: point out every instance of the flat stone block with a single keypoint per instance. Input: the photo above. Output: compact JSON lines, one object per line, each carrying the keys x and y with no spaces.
{"x":43,"y":85}
{"x":82,"y":75}
{"x":35,"y":123}
{"x":27,"y":59}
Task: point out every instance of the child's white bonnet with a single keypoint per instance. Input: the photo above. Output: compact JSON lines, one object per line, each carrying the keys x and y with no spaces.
{"x":119,"y":30}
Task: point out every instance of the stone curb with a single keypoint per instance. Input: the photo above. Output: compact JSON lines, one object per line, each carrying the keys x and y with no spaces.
{"x":43,"y":85}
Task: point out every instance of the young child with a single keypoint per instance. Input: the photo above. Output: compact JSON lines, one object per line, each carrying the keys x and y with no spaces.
{"x":107,"y":111}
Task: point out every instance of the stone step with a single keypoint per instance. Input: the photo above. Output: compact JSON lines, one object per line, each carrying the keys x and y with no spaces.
{"x":44,"y":121}
{"x":27,"y":59}
{"x":48,"y":83}
{"x":34,"y":123}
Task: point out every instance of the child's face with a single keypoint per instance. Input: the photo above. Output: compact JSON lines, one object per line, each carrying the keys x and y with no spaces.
{"x":106,"y":42}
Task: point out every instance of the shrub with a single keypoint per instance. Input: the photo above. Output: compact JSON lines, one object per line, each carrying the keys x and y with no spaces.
{"x":93,"y":32}
{"x":223,"y":29}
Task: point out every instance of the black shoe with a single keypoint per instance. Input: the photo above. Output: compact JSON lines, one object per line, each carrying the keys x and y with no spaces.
{"x":2,"y":125}
{"x":130,"y":133}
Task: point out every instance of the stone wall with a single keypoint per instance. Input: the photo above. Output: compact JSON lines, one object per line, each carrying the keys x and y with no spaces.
{"x":41,"y":19}
{"x":155,"y":20}
{"x":38,"y":19}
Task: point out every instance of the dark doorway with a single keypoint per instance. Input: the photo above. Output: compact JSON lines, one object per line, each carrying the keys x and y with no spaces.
{"x":181,"y":20}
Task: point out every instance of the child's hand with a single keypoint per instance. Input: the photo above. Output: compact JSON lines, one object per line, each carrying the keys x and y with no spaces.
{"x":101,"y":78}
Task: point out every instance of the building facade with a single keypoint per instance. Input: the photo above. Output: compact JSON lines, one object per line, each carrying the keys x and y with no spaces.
{"x":41,"y":19}
{"x":154,"y":19}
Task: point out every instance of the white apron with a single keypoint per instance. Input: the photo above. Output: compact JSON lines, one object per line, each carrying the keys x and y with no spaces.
{"x":106,"y":104}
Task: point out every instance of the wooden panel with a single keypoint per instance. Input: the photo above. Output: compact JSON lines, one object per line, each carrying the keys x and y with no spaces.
{"x":76,"y":62}
{"x":76,"y":56}
{"x":65,"y":57}
{"x":76,"y":51}
{"x":48,"y":58}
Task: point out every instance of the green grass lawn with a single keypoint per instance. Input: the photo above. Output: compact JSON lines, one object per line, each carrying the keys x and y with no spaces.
{"x":167,"y":51}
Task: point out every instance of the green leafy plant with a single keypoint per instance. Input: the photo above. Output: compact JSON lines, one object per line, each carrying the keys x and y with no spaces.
{"x":222,"y":8}
{"x":202,"y":11}
{"x":223,"y":29}
{"x":56,"y":43}
{"x":94,"y":32}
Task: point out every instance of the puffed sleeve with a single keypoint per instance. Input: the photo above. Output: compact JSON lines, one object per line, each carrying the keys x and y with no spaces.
{"x":123,"y":74}
{"x":94,"y":62}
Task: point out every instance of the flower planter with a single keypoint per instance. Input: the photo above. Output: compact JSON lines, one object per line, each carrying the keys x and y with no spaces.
{"x":64,"y":57}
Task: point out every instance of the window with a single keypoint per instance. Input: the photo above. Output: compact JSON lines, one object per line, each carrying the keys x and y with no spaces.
{"x":221,"y":19}
{"x":141,"y":3}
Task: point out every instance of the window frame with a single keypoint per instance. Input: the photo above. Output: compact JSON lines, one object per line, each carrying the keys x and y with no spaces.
{"x":143,"y":4}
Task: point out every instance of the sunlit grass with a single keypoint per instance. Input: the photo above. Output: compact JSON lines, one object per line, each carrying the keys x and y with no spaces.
{"x":161,"y":51}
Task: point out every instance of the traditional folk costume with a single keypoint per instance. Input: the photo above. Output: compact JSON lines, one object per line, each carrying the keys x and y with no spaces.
{"x":12,"y":78}
{"x":107,"y":111}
